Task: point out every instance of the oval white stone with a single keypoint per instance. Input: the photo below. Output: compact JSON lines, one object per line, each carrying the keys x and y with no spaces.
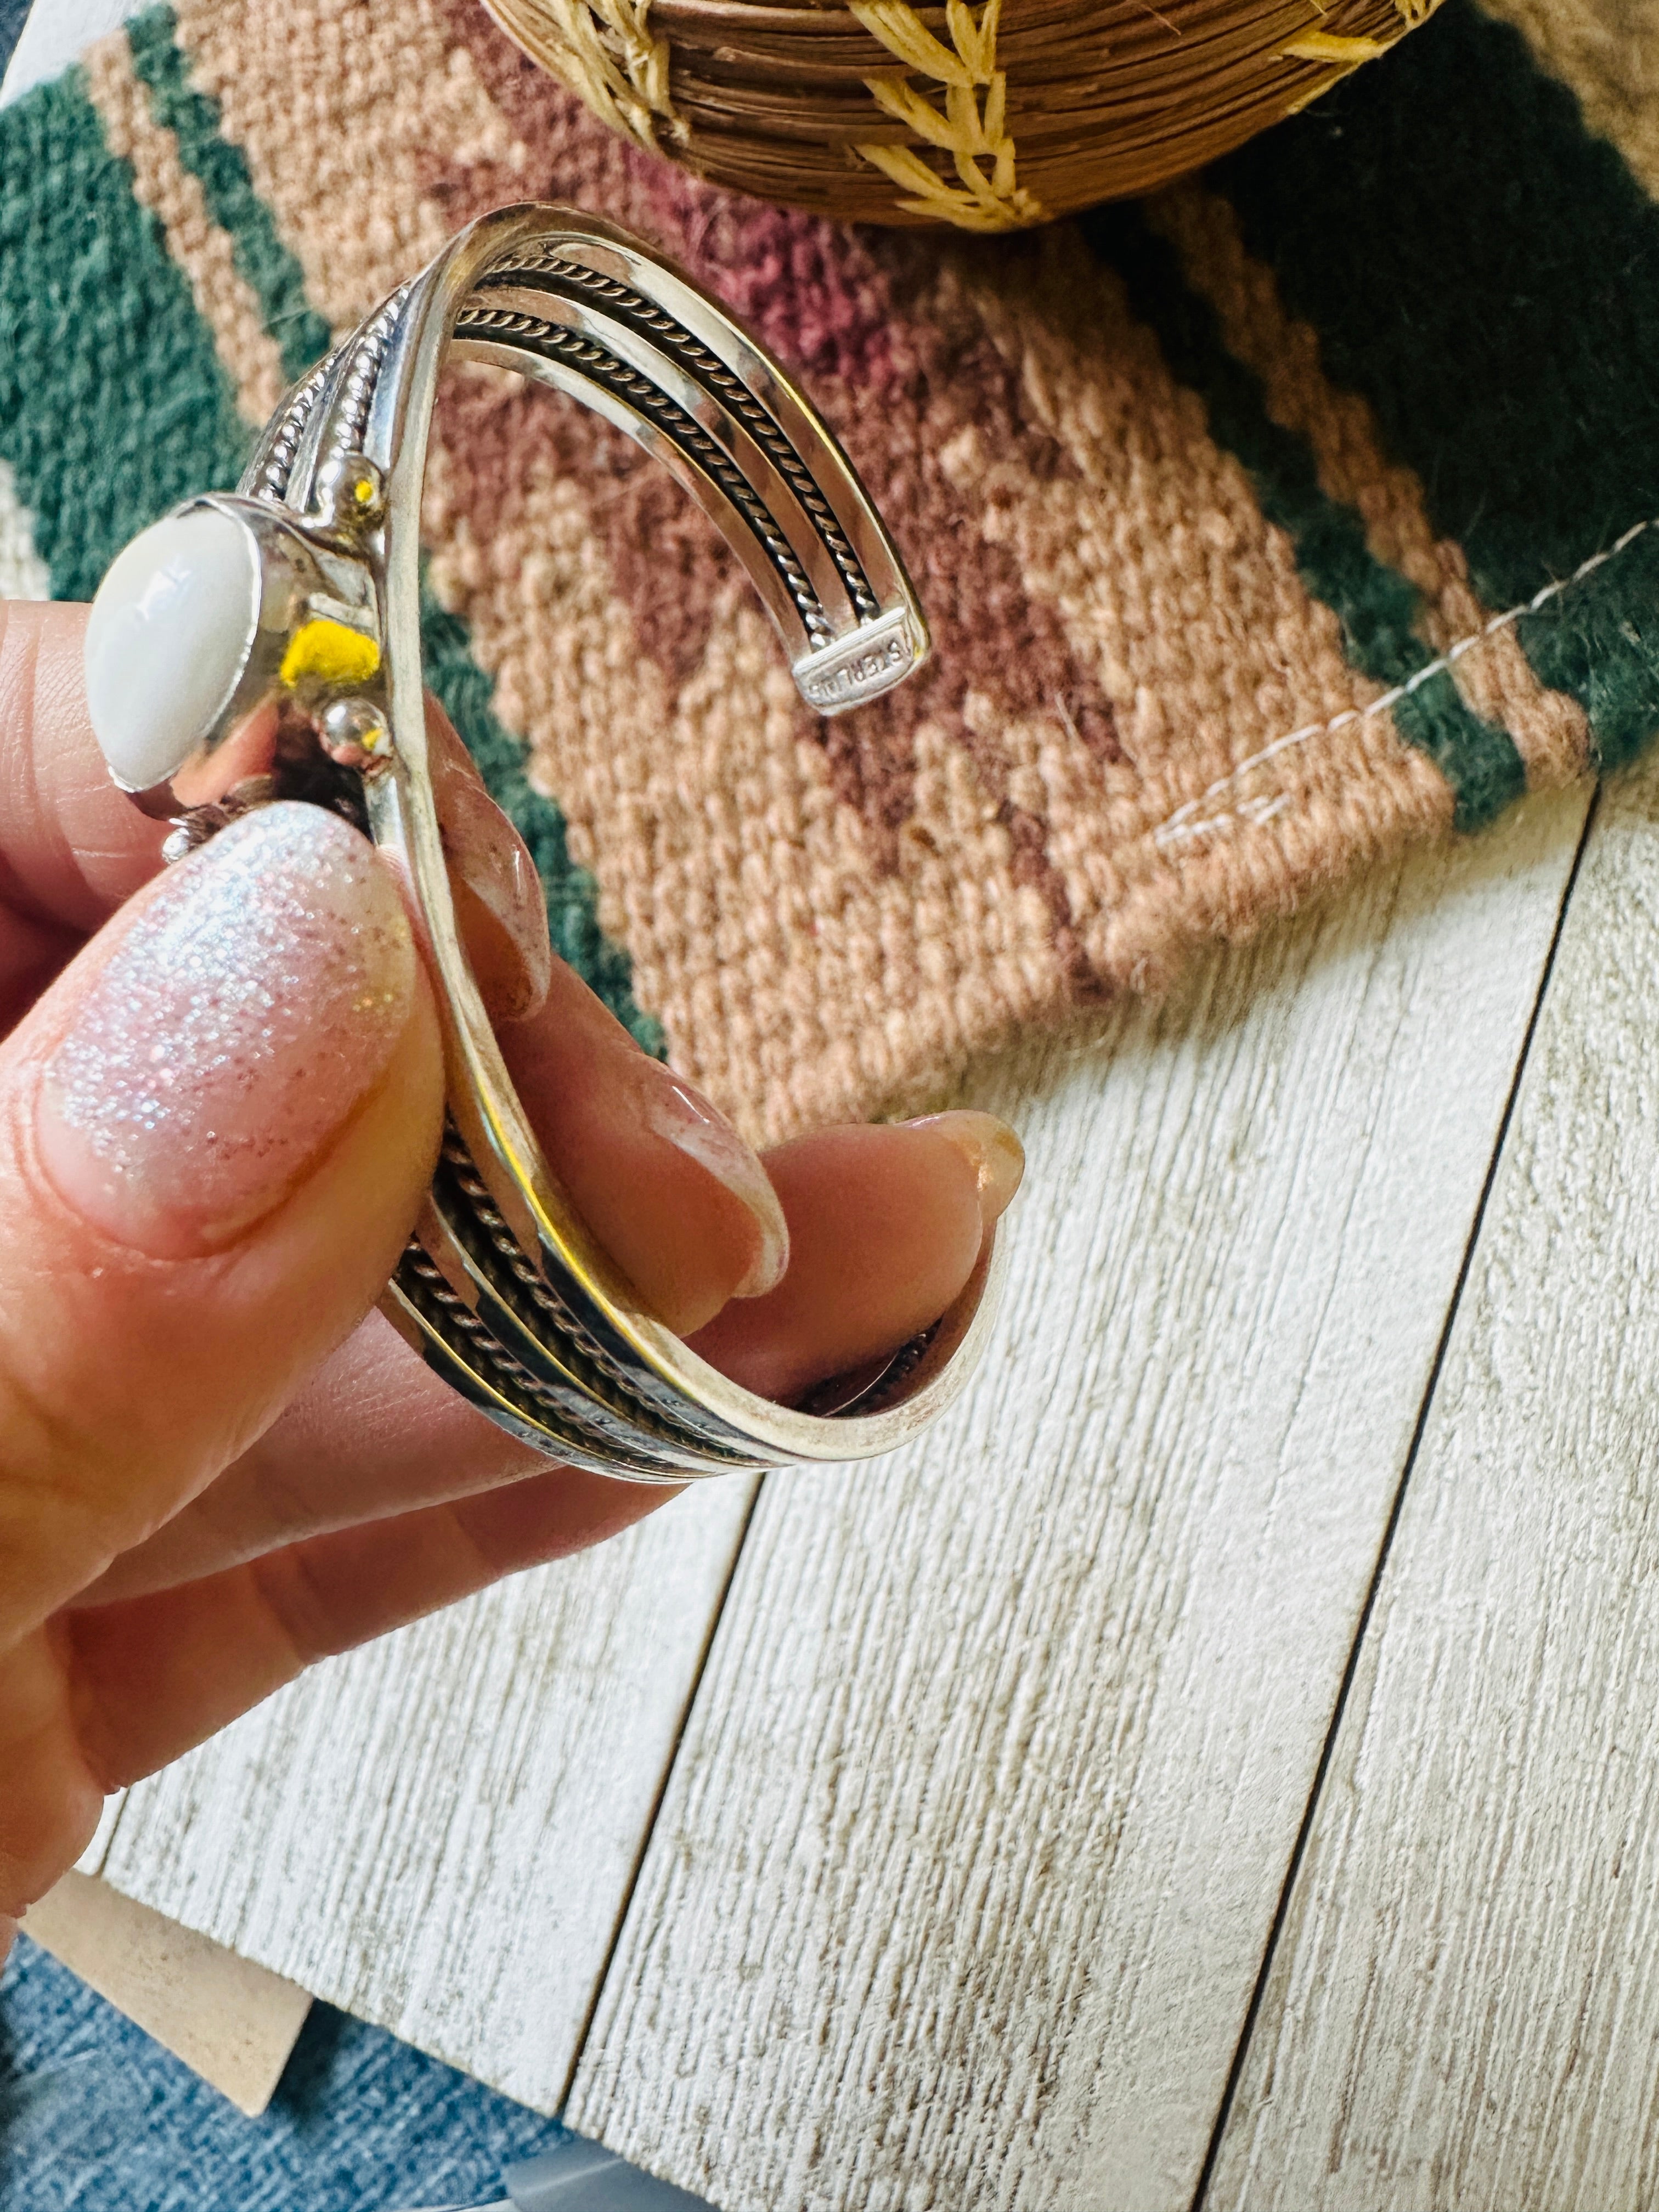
{"x":166,"y":639}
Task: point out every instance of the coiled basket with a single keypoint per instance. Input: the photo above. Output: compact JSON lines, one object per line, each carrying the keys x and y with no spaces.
{"x":989,"y":118}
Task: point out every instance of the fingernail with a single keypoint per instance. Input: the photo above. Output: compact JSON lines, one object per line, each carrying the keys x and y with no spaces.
{"x":499,"y":900}
{"x":996,"y":1152}
{"x":245,"y":1013}
{"x":700,"y":1130}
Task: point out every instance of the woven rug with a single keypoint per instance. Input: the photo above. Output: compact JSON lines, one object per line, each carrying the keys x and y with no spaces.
{"x":1302,"y":510}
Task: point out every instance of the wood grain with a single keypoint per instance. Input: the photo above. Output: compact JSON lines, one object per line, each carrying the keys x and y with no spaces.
{"x":961,"y":1883}
{"x":1464,"y":2006}
{"x":438,"y":1832}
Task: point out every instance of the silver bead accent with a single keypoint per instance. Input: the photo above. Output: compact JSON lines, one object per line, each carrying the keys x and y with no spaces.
{"x":351,"y":492}
{"x":355,"y":733}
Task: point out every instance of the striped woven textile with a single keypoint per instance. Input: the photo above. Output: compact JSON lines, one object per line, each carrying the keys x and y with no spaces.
{"x":1306,"y":509}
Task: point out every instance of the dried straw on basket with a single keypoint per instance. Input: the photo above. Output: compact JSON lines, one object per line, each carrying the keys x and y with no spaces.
{"x":880,"y":112}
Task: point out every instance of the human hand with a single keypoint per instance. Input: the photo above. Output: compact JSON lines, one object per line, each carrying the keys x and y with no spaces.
{"x":221,"y":1095}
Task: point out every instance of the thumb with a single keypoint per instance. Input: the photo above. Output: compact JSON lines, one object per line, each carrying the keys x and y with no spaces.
{"x":216,"y":1130}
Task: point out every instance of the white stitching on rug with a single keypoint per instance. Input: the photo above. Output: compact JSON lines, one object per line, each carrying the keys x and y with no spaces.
{"x":1180,"y":824}
{"x":1255,"y":811}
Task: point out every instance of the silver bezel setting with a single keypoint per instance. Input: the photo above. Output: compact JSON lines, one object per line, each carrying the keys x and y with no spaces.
{"x":298,"y":576}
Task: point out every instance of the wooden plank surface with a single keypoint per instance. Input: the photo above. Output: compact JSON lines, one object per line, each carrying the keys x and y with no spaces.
{"x":91,"y":1859}
{"x":1464,"y":2005}
{"x":438,"y":1832}
{"x":960,"y":1886}
{"x":22,"y":572}
{"x":58,"y":33}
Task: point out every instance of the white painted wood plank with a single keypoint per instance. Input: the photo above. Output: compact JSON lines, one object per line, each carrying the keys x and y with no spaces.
{"x":58,"y":33}
{"x":438,"y":1832}
{"x":91,"y":1859}
{"x":960,"y":1882}
{"x":1464,"y":2005}
{"x":22,"y":572}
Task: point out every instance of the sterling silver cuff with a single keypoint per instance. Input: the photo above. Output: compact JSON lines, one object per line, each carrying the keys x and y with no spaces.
{"x":311,"y":570}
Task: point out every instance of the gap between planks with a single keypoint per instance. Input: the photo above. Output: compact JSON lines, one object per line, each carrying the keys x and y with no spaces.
{"x":1463,"y":2007}
{"x":1293,"y":1871}
{"x":440,"y":1796}
{"x":438,"y":1831}
{"x":963,"y":1880}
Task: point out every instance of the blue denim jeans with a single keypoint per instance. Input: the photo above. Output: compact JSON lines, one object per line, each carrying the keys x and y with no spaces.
{"x":94,"y":2116}
{"x":12,"y":13}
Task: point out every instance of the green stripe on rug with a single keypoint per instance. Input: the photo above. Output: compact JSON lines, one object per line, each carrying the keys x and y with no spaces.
{"x":465,"y":690}
{"x":1378,"y":607}
{"x":1449,"y":205}
{"x":112,"y":403}
{"x":220,"y":168}
{"x":1600,"y":641}
{"x":113,"y":407}
{"x":466,"y":695}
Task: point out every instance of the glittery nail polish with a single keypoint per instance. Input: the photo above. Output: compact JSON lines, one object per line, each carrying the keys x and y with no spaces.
{"x":245,"y":1013}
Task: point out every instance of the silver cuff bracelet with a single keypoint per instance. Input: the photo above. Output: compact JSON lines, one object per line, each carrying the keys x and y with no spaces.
{"x":502,"y":1289}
